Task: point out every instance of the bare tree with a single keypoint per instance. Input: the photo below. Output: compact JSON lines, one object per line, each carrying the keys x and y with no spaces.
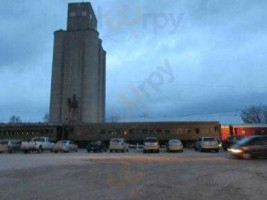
{"x":15,"y":119}
{"x":46,"y":117}
{"x":254,"y":114}
{"x":144,"y":115}
{"x":265,"y":115}
{"x":114,"y":118}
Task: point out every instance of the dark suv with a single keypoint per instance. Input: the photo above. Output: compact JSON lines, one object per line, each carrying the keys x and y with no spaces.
{"x":97,"y":146}
{"x":230,"y":142}
{"x":255,"y":146}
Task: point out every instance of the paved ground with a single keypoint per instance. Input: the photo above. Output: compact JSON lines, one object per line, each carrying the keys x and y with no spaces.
{"x":117,"y":176}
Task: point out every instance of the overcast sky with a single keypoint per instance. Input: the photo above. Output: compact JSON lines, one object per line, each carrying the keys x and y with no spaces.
{"x":166,"y":59}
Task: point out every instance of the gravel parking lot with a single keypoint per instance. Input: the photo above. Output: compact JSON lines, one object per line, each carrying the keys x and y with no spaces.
{"x":133,"y":175}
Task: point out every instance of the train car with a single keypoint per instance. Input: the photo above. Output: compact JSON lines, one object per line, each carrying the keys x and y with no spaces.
{"x":135,"y":132}
{"x":242,"y":130}
{"x":26,"y":131}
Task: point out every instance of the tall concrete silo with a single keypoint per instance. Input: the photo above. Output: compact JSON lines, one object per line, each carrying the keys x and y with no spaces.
{"x":79,"y":68}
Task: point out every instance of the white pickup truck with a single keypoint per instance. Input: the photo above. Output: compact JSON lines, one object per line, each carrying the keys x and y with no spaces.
{"x":38,"y":144}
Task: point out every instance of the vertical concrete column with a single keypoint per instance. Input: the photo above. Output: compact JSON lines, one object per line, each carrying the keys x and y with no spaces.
{"x":57,"y":77}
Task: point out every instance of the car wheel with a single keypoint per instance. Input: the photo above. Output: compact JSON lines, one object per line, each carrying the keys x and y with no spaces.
{"x":40,"y":149}
{"x":55,"y":151}
{"x":182,"y":151}
{"x":246,"y":156}
{"x":144,"y":151}
{"x":217,"y":150}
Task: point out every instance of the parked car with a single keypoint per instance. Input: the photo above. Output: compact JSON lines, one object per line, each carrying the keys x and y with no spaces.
{"x":230,"y":142}
{"x":207,"y":143}
{"x":38,"y":144}
{"x":3,"y":146}
{"x":175,"y":145}
{"x":97,"y":146}
{"x":14,"y":145}
{"x":255,"y":146}
{"x":65,"y":146}
{"x":118,"y":144}
{"x":151,"y":144}
{"x":10,"y":145}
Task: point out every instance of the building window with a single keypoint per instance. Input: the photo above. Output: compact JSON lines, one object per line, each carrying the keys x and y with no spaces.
{"x":103,"y":131}
{"x":139,"y":131}
{"x":179,"y":131}
{"x":197,"y":130}
{"x":151,"y":131}
{"x":216,"y":129}
{"x":144,"y":131}
{"x":159,"y":130}
{"x":167,"y":131}
{"x":131,"y":131}
{"x":188,"y":131}
{"x":118,"y":131}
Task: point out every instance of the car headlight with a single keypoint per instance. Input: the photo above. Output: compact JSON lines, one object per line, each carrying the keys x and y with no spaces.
{"x":235,"y":150}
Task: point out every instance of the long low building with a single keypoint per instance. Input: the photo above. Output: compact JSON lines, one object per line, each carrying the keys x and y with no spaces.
{"x":133,"y":131}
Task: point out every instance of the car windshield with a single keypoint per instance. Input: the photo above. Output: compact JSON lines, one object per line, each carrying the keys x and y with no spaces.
{"x":116,"y":140}
{"x":3,"y":142}
{"x":209,"y":139}
{"x":151,"y":140}
{"x":38,"y":139}
{"x":62,"y":142}
{"x":95,"y":143}
{"x":243,"y":141}
{"x":15,"y":141}
{"x":174,"y":141}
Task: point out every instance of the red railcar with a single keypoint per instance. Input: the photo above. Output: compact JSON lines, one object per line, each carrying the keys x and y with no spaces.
{"x":242,"y":130}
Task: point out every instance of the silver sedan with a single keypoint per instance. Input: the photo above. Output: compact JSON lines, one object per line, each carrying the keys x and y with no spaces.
{"x":175,"y":145}
{"x":65,"y":146}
